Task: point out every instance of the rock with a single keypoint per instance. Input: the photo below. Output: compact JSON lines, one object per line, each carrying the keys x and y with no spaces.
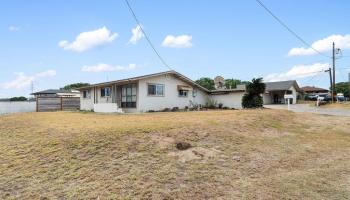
{"x":183,"y":145}
{"x":236,"y":158}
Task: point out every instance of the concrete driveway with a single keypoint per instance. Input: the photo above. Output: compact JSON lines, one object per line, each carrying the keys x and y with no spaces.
{"x":311,"y":109}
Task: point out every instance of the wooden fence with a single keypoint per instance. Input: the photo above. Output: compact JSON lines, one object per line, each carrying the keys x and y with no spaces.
{"x":44,"y":104}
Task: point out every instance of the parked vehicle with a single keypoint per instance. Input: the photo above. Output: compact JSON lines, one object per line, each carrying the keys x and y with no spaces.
{"x":326,"y":97}
{"x":340,"y":97}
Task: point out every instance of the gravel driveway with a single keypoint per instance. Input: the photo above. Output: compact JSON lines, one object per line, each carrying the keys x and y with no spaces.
{"x":310,"y":109}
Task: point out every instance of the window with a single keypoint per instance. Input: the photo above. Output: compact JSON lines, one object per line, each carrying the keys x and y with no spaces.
{"x":194,"y":92}
{"x":183,"y":93}
{"x":129,"y":93}
{"x":86,"y":94}
{"x":105,"y":92}
{"x":155,"y":89}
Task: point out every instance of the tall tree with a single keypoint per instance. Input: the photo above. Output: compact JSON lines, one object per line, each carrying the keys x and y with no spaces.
{"x":75,"y":86}
{"x":206,"y":82}
{"x":252,"y":98}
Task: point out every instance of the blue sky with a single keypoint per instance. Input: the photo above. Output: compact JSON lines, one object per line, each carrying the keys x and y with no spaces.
{"x":234,"y":39}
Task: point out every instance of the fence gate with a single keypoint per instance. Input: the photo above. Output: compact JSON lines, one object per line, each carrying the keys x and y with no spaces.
{"x":44,"y":104}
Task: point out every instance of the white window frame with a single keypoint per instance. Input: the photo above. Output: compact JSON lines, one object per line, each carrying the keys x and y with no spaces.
{"x":156,"y":88}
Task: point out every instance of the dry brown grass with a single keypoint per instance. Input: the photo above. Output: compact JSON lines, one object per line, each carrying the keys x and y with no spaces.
{"x":252,"y":154}
{"x":341,"y":105}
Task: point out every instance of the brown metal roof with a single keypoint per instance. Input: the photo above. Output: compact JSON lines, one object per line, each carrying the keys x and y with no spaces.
{"x":313,"y":89}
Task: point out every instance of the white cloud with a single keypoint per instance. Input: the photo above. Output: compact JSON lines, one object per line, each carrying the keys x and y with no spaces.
{"x":297,"y":72}
{"x":181,"y":41}
{"x":136,"y":35}
{"x":323,"y":45}
{"x":14,"y":28}
{"x":88,"y":40}
{"x":22,"y":80}
{"x":107,"y":68}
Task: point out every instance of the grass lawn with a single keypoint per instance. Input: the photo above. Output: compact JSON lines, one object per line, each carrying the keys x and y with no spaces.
{"x":249,"y":154}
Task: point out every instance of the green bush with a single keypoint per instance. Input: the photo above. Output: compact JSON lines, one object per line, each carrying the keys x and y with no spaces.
{"x":253,"y":98}
{"x":252,"y":101}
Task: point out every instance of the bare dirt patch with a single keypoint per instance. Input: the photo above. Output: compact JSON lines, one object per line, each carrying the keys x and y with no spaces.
{"x":195,"y":153}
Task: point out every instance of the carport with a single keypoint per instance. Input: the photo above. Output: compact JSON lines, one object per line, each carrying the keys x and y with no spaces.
{"x":275,"y":92}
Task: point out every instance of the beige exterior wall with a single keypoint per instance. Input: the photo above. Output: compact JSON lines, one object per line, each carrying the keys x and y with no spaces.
{"x":294,"y":93}
{"x":231,"y":100}
{"x":170,"y":99}
{"x":267,"y":98}
{"x":87,"y":103}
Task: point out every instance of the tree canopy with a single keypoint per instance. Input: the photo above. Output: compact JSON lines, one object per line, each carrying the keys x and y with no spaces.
{"x":206,"y":83}
{"x":342,"y":87}
{"x":209,"y":83}
{"x":75,"y":86}
{"x":252,"y":98}
{"x":21,"y":98}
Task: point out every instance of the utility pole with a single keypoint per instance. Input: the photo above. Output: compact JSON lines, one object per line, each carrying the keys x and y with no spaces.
{"x":333,"y":85}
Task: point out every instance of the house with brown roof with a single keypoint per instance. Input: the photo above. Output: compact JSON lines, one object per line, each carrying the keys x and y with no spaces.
{"x":313,"y":90}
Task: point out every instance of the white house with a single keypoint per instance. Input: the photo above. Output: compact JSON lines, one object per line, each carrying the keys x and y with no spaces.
{"x":154,"y":92}
{"x":170,"y":89}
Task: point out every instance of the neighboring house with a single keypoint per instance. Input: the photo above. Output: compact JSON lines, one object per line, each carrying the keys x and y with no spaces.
{"x":57,"y":93}
{"x":275,"y":92}
{"x":154,"y":92}
{"x":313,"y":90}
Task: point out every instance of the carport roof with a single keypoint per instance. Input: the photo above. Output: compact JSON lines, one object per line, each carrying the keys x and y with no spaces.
{"x":281,"y":85}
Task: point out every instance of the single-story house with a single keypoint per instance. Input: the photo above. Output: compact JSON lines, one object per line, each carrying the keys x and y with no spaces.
{"x":166,"y":90}
{"x":154,"y":92}
{"x":57,"y":93}
{"x":275,"y":91}
{"x":313,"y":90}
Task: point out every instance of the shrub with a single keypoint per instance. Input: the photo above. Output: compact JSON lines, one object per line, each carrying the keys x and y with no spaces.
{"x":174,"y":109}
{"x":211,"y":104}
{"x":253,"y":98}
{"x":220,"y":105}
{"x":166,"y":110}
{"x":252,"y":101}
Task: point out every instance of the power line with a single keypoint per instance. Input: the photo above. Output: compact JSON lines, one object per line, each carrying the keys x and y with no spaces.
{"x":289,"y":29}
{"x":146,"y":36}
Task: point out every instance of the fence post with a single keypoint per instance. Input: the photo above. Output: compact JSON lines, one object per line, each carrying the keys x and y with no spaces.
{"x":61,"y":103}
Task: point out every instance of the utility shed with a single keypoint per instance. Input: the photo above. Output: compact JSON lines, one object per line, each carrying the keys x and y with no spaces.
{"x":275,"y":91}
